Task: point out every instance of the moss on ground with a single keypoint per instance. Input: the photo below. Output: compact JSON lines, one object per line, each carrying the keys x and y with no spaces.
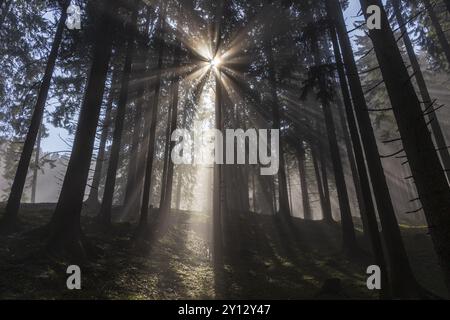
{"x":263,"y":259}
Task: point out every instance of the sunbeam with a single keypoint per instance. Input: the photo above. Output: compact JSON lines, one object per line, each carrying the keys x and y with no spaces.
{"x":224,"y":149}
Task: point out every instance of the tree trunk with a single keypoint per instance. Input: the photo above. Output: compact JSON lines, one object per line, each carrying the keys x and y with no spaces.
{"x":243,"y":174}
{"x":427,"y":102}
{"x":244,"y":189}
{"x":132,"y":199}
{"x":37,"y":154}
{"x":289,"y":188}
{"x":218,"y":188}
{"x":141,"y":164}
{"x":328,"y":213}
{"x":348,"y":230}
{"x":13,"y":204}
{"x":368,"y":216}
{"x":65,"y":234}
{"x":401,"y":275}
{"x":445,"y":46}
{"x":93,"y":197}
{"x":173,"y":126}
{"x":179,"y":173}
{"x":276,"y":113}
{"x":352,"y":163}
{"x":133,"y":189}
{"x":274,"y":194}
{"x":254,"y":192}
{"x":178,"y":193}
{"x":154,"y":118}
{"x":166,"y":158}
{"x":303,"y":183}
{"x":106,"y":207}
{"x":346,"y":136}
{"x":325,"y":212}
{"x":428,"y":174}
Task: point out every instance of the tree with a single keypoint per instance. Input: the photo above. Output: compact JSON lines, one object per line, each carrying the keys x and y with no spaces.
{"x":402,"y":280}
{"x":133,"y":195}
{"x":173,"y":126}
{"x":303,"y":183}
{"x":368,"y":216}
{"x":426,"y":98}
{"x":36,"y":164}
{"x":13,"y":204}
{"x":152,"y":129}
{"x":93,"y":198}
{"x":285,"y":211}
{"x":106,"y":207}
{"x":322,"y":186}
{"x":65,"y":229}
{"x":318,"y":77}
{"x":445,"y":46}
{"x":427,"y":171}
{"x":218,"y":188}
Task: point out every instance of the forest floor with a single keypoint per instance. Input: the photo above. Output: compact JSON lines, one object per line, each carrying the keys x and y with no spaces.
{"x":263,"y":259}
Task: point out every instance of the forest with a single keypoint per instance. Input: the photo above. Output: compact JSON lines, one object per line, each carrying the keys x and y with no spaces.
{"x":225,"y":149}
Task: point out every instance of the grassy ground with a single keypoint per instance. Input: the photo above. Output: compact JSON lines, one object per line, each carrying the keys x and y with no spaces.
{"x":263,"y":259}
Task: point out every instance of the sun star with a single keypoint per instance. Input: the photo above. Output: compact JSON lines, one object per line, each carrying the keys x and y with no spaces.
{"x":215,"y":62}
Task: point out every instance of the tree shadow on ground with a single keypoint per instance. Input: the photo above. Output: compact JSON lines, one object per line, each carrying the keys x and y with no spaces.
{"x":263,"y":259}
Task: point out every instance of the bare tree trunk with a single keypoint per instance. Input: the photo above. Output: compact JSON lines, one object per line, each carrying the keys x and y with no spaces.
{"x":179,"y":173}
{"x":65,"y":235}
{"x":13,"y":204}
{"x":427,"y":171}
{"x":303,"y":183}
{"x":352,"y":163}
{"x":141,"y":165}
{"x":289,"y":188}
{"x":254,"y":192}
{"x":166,"y":159}
{"x":243,"y":174}
{"x":152,"y":135}
{"x":131,"y":201}
{"x":274,"y":195}
{"x":244,"y":189}
{"x":348,"y":230}
{"x":37,"y":154}
{"x":326,"y":213}
{"x":285,"y":211}
{"x":93,"y":198}
{"x":178,"y":193}
{"x":173,"y":126}
{"x":218,"y":189}
{"x":106,"y":207}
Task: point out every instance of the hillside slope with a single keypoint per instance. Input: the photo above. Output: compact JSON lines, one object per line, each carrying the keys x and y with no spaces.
{"x":263,"y":259}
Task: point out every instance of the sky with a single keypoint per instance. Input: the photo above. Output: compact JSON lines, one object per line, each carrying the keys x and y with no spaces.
{"x":57,"y":136}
